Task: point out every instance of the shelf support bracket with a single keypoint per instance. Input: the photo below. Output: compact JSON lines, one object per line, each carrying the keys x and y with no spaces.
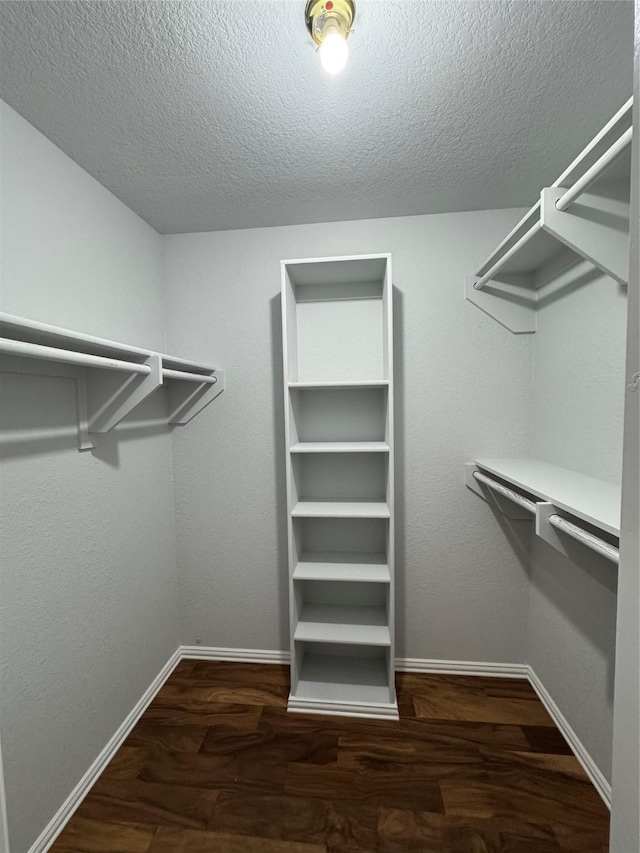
{"x":185,"y":402}
{"x":592,"y":228}
{"x":111,"y":399}
{"x":515,"y":307}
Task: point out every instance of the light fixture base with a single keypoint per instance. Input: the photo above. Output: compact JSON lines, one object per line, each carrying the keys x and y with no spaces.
{"x":325,"y":16}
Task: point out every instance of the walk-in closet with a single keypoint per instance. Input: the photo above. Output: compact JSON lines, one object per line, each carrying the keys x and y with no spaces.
{"x":319,"y":426}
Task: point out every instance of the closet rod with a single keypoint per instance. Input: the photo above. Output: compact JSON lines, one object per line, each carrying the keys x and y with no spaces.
{"x":191,"y":377}
{"x":525,"y":503}
{"x":593,"y":542}
{"x":595,"y":171}
{"x":82,"y":359}
{"x":507,"y":256}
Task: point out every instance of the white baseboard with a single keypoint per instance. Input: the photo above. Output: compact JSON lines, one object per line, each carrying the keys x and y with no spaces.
{"x":462,"y":667}
{"x":66,"y":810}
{"x":343,"y":709}
{"x":443,"y":667}
{"x":602,"y":786}
{"x":240,"y":655}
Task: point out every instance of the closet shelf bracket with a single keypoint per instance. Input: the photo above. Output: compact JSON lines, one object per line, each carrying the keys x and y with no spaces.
{"x":185,"y":401}
{"x":110,"y":398}
{"x":516,"y":307}
{"x":591,"y":227}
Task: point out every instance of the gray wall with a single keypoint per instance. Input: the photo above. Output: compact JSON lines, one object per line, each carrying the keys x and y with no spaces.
{"x":89,"y":599}
{"x":579,"y":399}
{"x":463,"y":389}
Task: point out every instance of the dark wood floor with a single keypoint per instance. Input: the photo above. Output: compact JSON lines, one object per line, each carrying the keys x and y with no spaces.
{"x":475,"y":765}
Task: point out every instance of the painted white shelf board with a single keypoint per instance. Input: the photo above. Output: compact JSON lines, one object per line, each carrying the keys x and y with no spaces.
{"x":340,"y":447}
{"x":356,"y":383}
{"x":550,"y":240}
{"x":342,"y":566}
{"x":343,"y":623}
{"x":595,"y":501}
{"x":535,"y":253}
{"x":34,"y":332}
{"x":329,"y":678}
{"x":340,"y":509}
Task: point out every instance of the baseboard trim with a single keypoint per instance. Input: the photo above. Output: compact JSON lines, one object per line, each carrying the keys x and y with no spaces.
{"x":600,"y":783}
{"x":66,"y":810}
{"x":240,"y":655}
{"x":424,"y":665}
{"x":463,"y":667}
{"x":343,"y":709}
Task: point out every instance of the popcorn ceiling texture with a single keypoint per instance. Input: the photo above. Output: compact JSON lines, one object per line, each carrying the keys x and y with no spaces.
{"x":213,"y":115}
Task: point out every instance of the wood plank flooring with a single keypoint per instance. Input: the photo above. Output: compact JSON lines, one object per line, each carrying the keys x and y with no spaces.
{"x":217,"y":765}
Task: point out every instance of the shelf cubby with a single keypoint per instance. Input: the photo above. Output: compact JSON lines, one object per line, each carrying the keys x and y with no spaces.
{"x":342,"y":611}
{"x":338,"y":373}
{"x":343,"y":679}
{"x":339,"y":415}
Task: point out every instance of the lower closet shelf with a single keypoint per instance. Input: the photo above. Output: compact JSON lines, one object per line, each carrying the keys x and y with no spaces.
{"x":340,"y":623}
{"x":342,"y":566}
{"x":344,"y":680}
{"x":340,"y":509}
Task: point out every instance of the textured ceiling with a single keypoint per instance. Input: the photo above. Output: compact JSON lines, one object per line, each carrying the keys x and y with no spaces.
{"x":211,"y":115}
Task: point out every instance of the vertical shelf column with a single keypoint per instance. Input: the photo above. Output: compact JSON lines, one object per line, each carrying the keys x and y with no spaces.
{"x":338,"y":373}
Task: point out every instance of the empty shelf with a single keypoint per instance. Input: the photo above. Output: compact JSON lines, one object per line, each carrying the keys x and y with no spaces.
{"x":340,"y":447}
{"x":594,"y":501}
{"x":44,"y":334}
{"x":357,"y":383}
{"x":329,"y":678}
{"x":341,"y":623}
{"x":342,"y":566}
{"x":340,"y":509}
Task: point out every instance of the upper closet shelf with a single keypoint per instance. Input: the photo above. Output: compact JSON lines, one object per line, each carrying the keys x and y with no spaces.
{"x":582,"y":217}
{"x":112,"y":378}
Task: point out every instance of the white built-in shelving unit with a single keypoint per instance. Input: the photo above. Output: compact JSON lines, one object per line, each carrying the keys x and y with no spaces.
{"x":112,"y":378}
{"x":565,"y":505}
{"x":581,"y":219}
{"x":338,"y":374}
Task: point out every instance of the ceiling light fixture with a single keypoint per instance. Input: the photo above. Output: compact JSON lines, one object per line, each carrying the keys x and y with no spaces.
{"x":329,"y":23}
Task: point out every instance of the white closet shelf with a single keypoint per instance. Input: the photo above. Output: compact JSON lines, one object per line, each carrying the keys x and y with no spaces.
{"x":555,"y":235}
{"x":594,"y":501}
{"x":340,"y":447}
{"x":103,"y":398}
{"x":346,"y":679}
{"x":343,"y":623}
{"x":34,"y":332}
{"x":340,"y":509}
{"x":342,"y":566}
{"x":340,"y":383}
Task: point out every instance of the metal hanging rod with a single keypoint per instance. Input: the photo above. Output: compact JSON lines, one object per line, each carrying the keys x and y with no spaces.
{"x":507,"y":256}
{"x":190,"y":377}
{"x":82,"y":359}
{"x":592,"y":174}
{"x":594,"y":542}
{"x":517,"y":498}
